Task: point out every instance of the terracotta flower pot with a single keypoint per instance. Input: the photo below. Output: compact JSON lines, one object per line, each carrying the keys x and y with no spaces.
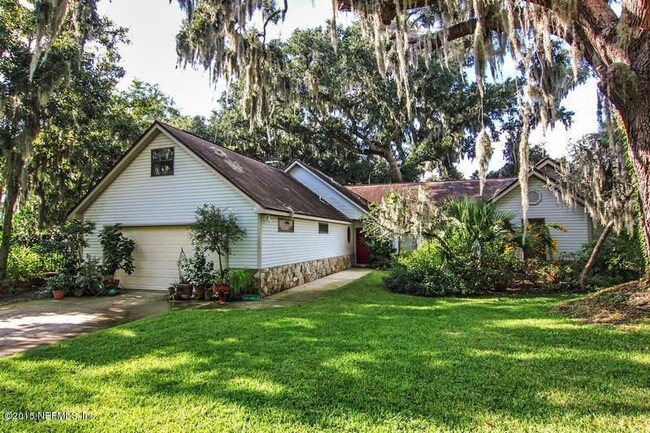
{"x":58,"y":294}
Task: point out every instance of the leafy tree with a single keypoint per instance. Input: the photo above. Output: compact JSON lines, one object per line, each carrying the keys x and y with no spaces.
{"x":536,"y":153}
{"x":216,"y":231}
{"x":411,"y":213}
{"x":597,"y":175}
{"x":28,"y":80}
{"x":615,"y":46}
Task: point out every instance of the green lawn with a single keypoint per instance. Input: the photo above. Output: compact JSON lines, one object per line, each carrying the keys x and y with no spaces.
{"x":360,"y":359}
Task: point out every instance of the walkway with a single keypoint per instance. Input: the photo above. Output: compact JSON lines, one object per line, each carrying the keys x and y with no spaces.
{"x":299,"y":294}
{"x":25,"y":325}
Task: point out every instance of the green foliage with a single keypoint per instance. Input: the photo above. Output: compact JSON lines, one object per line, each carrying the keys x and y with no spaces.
{"x":471,"y":253}
{"x":24,"y":264}
{"x":64,"y":280}
{"x":69,"y":240}
{"x":198,"y":270}
{"x":550,"y":275}
{"x":471,"y":224}
{"x":117,"y":250}
{"x":215,"y":231}
{"x":87,"y":279}
{"x":381,"y":253}
{"x":429,"y":271}
{"x":620,"y":260}
{"x":239,"y":281}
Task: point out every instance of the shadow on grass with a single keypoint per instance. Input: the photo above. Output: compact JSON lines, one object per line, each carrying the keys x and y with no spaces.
{"x":359,"y":358}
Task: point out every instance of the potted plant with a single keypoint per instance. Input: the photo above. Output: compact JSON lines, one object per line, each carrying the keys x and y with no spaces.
{"x":117,"y":252}
{"x":239,"y":280}
{"x":59,"y":284}
{"x":87,"y":280}
{"x":175,"y":291}
{"x":199,"y":272}
{"x":221,"y":289}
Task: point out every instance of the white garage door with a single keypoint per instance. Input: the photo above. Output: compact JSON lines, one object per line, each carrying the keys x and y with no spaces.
{"x":155,"y":256}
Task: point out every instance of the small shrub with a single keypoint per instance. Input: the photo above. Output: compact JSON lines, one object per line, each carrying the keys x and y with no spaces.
{"x":24,"y":265}
{"x":216,"y":231}
{"x":69,"y":240}
{"x":87,"y":279}
{"x":239,"y":281}
{"x":620,"y":260}
{"x":117,"y":251}
{"x":428,"y":272}
{"x":198,"y":270}
{"x":381,"y":253}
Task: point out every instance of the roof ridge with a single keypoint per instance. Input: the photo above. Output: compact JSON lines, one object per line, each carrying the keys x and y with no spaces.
{"x":430,"y":181}
{"x":166,"y":125}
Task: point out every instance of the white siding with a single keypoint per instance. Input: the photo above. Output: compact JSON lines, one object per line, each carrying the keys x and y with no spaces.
{"x":304,"y":244}
{"x":574,"y":219}
{"x":135,"y":198}
{"x":329,"y":194}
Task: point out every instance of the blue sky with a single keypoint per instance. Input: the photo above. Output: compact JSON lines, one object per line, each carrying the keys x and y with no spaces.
{"x":151,"y":57}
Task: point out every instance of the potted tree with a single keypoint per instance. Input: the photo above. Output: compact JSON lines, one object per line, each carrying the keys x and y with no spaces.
{"x":216,"y":232}
{"x":117,"y":252}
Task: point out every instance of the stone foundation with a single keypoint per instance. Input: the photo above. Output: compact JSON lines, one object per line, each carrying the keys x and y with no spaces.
{"x":273,"y":280}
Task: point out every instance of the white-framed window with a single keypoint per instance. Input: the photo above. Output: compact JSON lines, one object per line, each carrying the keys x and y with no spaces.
{"x":162,"y":161}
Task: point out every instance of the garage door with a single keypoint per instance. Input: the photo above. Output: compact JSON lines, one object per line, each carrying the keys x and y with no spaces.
{"x":155,"y":256}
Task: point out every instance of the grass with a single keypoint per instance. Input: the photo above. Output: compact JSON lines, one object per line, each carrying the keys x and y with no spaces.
{"x":360,"y":359}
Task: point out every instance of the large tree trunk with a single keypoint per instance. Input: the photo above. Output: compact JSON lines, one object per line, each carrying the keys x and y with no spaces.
{"x":635,"y":113}
{"x":594,"y":254}
{"x":12,"y":189}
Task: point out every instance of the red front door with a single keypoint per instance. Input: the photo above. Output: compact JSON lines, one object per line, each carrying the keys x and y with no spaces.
{"x":363,"y":252}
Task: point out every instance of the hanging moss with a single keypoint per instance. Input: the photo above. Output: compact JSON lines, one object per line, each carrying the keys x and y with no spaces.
{"x":483,"y":154}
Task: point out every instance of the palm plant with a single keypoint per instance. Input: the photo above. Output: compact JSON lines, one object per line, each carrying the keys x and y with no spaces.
{"x":474,"y":224}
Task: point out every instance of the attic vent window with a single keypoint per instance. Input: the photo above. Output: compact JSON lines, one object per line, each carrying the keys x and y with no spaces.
{"x":162,"y":161}
{"x":323,"y":228}
{"x":534,"y":197}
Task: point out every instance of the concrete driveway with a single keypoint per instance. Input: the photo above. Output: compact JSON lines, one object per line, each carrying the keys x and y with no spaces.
{"x":25,"y":325}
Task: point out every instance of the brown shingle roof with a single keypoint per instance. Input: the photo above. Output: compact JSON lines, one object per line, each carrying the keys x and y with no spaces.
{"x":268,"y":186}
{"x":437,"y":190}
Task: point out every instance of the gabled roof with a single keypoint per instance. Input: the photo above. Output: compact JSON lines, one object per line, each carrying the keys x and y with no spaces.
{"x":347,"y":193}
{"x":438,"y":191}
{"x":269,"y":187}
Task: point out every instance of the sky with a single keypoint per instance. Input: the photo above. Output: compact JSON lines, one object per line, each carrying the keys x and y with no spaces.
{"x":151,"y":57}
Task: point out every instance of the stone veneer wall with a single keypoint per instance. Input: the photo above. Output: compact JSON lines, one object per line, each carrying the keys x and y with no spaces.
{"x":279,"y":278}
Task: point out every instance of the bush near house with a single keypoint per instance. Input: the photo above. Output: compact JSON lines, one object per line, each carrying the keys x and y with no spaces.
{"x":475,"y":251}
{"x":621,"y":260}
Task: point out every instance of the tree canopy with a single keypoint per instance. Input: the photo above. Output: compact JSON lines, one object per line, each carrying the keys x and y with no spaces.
{"x":616,"y":46}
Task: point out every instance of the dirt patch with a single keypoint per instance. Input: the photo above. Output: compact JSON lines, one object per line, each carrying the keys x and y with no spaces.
{"x":623,"y":304}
